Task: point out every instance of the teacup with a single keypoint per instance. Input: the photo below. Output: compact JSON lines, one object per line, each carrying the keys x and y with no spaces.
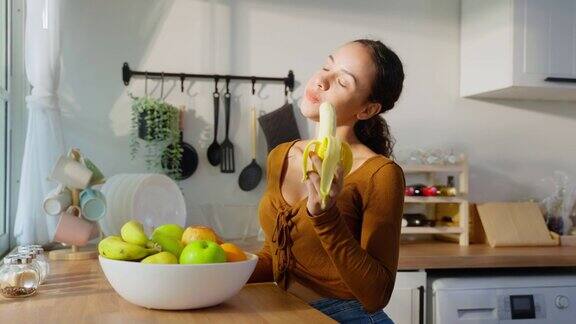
{"x":93,"y":204}
{"x":71,"y":173}
{"x":97,"y":176}
{"x":74,"y":230}
{"x":57,"y":201}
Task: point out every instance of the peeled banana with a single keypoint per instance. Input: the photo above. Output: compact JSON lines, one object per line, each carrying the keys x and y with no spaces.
{"x":330,"y":149}
{"x":113,"y":247}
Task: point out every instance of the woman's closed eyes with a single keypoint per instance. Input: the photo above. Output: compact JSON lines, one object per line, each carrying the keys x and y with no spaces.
{"x":341,"y":82}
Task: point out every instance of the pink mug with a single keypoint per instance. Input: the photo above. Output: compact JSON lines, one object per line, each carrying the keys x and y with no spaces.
{"x":73,"y":229}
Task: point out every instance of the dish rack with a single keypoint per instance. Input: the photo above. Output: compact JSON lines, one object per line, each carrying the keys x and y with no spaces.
{"x":461,"y":169}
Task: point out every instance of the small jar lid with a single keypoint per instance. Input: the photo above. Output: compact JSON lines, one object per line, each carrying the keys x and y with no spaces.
{"x":27,"y":251}
{"x":21,"y":258}
{"x":10,"y":259}
{"x":36,"y":247}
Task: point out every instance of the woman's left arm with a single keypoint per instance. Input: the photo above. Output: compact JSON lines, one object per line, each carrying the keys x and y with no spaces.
{"x":368,"y":267}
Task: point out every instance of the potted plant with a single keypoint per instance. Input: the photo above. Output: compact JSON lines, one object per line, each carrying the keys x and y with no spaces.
{"x":157,"y":124}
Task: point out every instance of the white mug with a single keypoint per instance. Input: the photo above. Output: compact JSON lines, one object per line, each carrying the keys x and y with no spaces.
{"x":71,"y":173}
{"x":57,"y":201}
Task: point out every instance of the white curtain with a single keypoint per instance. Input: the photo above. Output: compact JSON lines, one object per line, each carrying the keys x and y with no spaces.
{"x":44,"y":140}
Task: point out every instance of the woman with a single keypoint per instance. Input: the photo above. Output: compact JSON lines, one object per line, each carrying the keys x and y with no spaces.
{"x":342,"y":259}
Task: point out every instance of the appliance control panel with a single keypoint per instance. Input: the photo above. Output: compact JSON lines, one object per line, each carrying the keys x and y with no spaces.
{"x":521,"y":307}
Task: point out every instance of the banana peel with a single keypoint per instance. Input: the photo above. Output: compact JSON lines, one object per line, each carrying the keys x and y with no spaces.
{"x":330,"y":149}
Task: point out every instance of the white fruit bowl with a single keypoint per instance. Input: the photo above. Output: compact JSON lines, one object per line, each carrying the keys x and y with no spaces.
{"x":177,"y":286}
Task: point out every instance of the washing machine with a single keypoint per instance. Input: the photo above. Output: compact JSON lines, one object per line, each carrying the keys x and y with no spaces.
{"x":526,"y":299}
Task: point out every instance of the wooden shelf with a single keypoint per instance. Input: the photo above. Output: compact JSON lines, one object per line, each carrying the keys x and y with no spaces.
{"x":433,"y":200}
{"x":431,"y":230}
{"x":450,"y":168}
{"x":430,"y":204}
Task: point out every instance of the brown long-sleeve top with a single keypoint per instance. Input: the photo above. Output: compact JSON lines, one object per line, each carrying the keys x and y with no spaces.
{"x":349,"y":251}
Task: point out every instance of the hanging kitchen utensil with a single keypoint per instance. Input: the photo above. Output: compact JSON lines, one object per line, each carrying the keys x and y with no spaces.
{"x":279,"y":126}
{"x":188,"y":160}
{"x":214,"y":151}
{"x":146,"y":84}
{"x":251,"y":174}
{"x":227,"y":163}
{"x":162,"y":87}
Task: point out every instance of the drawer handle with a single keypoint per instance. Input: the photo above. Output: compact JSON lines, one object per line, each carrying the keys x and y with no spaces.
{"x":565,"y":80}
{"x":421,"y":302}
{"x":476,"y":313}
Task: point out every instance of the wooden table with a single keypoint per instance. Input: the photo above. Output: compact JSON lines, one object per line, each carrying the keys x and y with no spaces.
{"x":78,"y":292}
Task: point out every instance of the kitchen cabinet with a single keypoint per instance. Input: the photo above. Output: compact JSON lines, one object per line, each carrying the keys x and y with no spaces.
{"x":406,"y":305}
{"x":518,"y":49}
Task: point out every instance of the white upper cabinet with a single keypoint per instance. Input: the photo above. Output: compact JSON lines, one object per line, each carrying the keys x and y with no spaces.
{"x":521,"y":49}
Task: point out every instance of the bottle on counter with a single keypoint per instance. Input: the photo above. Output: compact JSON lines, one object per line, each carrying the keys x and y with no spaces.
{"x":414,"y":190}
{"x":449,"y":190}
{"x":18,"y":277}
{"x":430,"y":191}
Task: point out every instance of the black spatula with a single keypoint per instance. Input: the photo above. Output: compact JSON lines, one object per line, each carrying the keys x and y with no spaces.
{"x":227,"y":158}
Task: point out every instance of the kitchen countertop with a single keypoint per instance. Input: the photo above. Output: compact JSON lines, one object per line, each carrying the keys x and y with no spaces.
{"x":442,"y":255}
{"x":78,"y":292}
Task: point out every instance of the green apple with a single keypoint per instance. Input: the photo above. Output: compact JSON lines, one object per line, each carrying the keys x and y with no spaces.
{"x":162,"y":257}
{"x":168,"y":243}
{"x":172,"y":230}
{"x":201,"y":251}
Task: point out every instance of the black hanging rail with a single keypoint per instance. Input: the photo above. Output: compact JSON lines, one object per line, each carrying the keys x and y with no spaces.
{"x":127,"y":74}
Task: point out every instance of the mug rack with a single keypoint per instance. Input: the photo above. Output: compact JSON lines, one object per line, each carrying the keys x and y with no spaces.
{"x":128,"y":73}
{"x":75,"y":253}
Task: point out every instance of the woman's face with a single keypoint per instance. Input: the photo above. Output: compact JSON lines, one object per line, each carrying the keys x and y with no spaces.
{"x":345,"y":80}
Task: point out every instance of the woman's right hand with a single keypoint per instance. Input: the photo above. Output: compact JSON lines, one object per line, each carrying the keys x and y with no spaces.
{"x":314,"y":204}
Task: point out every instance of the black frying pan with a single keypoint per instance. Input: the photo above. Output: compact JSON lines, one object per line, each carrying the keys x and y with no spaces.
{"x":189,"y":159}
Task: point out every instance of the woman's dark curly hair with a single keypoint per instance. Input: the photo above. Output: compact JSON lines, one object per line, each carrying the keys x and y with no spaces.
{"x":374,"y":132}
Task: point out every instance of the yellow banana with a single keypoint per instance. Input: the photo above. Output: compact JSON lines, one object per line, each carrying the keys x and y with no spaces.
{"x":330,"y":149}
{"x":113,"y":247}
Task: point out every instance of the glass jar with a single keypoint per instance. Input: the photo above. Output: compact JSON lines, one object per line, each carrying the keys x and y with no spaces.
{"x":37,"y":254}
{"x":18,"y":277}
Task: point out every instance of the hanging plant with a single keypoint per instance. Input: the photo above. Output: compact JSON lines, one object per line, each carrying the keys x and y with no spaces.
{"x":156,"y":123}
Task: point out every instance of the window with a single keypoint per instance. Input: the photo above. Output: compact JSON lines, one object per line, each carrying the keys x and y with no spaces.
{"x":4,"y":73}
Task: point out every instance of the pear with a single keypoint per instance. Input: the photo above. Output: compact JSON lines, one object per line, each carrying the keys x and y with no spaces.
{"x":168,"y":243}
{"x":162,"y":258}
{"x":172,"y":230}
{"x":133,"y":232}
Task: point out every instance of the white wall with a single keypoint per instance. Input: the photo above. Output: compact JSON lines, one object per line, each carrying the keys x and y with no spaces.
{"x":511,"y":144}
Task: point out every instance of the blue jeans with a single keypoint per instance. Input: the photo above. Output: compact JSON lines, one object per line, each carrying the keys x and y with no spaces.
{"x":349,"y":311}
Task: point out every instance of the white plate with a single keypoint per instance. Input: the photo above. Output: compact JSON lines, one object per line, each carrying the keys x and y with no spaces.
{"x":126,"y":195}
{"x":114,"y":190}
{"x":123,"y":194}
{"x":116,"y":217}
{"x":107,"y":189}
{"x":158,"y":200}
